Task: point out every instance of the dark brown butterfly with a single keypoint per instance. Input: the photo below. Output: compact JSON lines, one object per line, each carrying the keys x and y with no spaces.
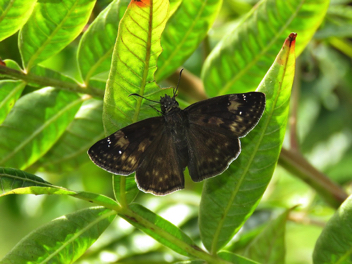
{"x":204,"y":137}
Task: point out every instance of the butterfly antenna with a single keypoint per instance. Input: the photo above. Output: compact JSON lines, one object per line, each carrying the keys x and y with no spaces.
{"x":178,"y":83}
{"x":144,"y":98}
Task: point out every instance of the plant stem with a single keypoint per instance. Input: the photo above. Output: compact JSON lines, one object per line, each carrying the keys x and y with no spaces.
{"x":122,"y":191}
{"x":45,"y":81}
{"x":141,"y":223}
{"x":295,"y":163}
{"x":138,"y":221}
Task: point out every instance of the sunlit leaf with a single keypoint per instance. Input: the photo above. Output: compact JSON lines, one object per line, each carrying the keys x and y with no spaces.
{"x":186,"y":28}
{"x":134,"y":63}
{"x":51,"y":27}
{"x":13,"y":15}
{"x":133,"y":66}
{"x":64,"y":239}
{"x":34,"y":124}
{"x":242,"y":58}
{"x":229,"y":199}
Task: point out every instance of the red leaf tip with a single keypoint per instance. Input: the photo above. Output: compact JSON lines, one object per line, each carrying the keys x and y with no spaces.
{"x":292,"y":38}
{"x":141,"y":3}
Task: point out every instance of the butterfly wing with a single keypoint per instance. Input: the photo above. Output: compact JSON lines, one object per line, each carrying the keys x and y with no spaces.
{"x":215,"y":126}
{"x":121,"y":152}
{"x":161,"y":171}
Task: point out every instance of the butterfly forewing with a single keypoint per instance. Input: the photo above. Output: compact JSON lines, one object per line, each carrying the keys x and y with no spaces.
{"x":121,"y":152}
{"x":215,"y":126}
{"x":237,"y":113}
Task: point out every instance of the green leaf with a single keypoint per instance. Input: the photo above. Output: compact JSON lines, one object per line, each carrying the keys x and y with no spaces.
{"x":35,"y":123}
{"x":269,"y":246}
{"x":12,"y":64}
{"x":70,"y":151}
{"x":13,"y":15}
{"x":133,"y":64}
{"x":10,"y":91}
{"x":170,"y":233}
{"x":236,"y":258}
{"x":186,"y":28}
{"x":334,"y":245}
{"x":229,"y":199}
{"x":51,"y":27}
{"x":97,"y":43}
{"x":11,"y":179}
{"x":14,"y":181}
{"x":242,"y":58}
{"x":64,"y":239}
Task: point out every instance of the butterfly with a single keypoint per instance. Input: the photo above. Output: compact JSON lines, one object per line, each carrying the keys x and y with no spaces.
{"x":205,"y":136}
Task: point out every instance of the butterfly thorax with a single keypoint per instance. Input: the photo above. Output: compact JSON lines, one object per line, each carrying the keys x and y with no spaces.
{"x":173,"y":115}
{"x":176,"y":123}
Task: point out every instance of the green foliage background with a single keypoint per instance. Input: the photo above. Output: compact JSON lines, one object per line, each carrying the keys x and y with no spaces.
{"x":241,"y":36}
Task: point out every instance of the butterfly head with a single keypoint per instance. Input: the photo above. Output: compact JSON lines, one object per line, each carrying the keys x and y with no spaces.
{"x":167,"y":104}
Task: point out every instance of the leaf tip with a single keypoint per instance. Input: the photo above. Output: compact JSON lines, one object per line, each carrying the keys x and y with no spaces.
{"x":291,"y":39}
{"x":140,"y":3}
{"x":288,"y":46}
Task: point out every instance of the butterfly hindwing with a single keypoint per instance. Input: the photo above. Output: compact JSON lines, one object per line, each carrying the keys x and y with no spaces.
{"x":122,"y":151}
{"x":161,"y":170}
{"x":210,"y":151}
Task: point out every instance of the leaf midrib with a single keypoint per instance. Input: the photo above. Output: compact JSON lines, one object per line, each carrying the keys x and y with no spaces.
{"x":147,"y":61}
